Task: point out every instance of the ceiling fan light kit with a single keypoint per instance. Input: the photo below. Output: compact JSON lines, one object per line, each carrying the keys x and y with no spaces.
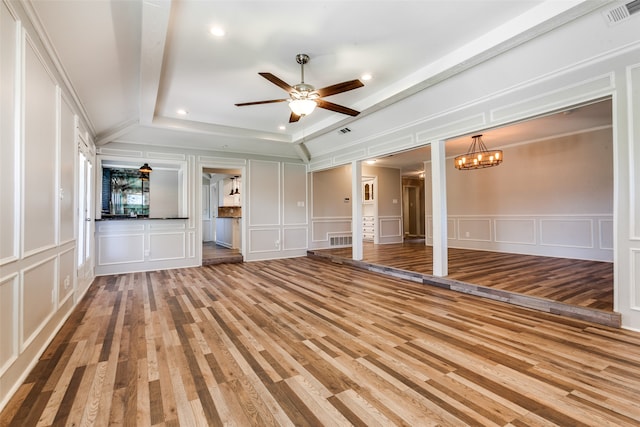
{"x":302,"y":107}
{"x":478,"y":156}
{"x":304,"y":98}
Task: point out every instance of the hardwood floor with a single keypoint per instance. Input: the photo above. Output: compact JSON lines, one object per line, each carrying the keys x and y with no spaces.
{"x":568,"y":282}
{"x":307,"y":342}
{"x":215,"y":254}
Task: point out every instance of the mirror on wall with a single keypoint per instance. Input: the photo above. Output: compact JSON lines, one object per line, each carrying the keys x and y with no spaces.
{"x":125,"y":192}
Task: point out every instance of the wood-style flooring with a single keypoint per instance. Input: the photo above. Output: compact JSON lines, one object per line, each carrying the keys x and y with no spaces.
{"x":571,"y":282}
{"x":215,"y":254}
{"x":309,"y":343}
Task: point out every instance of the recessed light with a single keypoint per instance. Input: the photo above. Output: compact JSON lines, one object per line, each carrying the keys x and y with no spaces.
{"x":282,"y":127}
{"x":370,"y":162}
{"x":217,"y":31}
{"x":366,"y":77}
{"x":182,"y":112}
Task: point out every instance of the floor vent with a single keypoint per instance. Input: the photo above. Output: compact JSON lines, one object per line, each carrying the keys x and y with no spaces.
{"x":340,"y":241}
{"x":621,"y":13}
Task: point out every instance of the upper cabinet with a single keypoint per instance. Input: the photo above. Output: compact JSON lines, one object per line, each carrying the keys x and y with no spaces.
{"x":367,"y":191}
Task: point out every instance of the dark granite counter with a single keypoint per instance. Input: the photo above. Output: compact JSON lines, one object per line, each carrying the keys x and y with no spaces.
{"x":135,"y":218}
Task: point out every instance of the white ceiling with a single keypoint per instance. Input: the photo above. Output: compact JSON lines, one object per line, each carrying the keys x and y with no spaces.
{"x":133,"y":64}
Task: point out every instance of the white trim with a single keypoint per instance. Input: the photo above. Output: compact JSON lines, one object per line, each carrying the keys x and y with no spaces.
{"x":13,"y":280}
{"x":24,"y":343}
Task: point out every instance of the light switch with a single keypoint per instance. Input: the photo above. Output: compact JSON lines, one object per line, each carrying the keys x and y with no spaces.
{"x":301,"y":204}
{"x":395,"y":201}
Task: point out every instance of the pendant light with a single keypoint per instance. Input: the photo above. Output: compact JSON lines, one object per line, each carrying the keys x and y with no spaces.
{"x":478,"y":156}
{"x":237,"y":185}
{"x":145,"y":168}
{"x":231,"y":193}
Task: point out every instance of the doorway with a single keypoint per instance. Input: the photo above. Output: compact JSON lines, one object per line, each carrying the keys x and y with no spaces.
{"x":222,"y":196}
{"x":85,"y":221}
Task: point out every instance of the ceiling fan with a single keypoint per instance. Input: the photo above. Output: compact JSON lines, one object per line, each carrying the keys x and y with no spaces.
{"x":303,"y":98}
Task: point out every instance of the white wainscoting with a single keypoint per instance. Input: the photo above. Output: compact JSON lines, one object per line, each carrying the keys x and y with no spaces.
{"x":167,"y":246}
{"x":9,"y":321}
{"x":262,"y":240}
{"x":66,"y":275}
{"x":390,"y":229}
{"x":635,"y":279}
{"x":322,"y":229}
{"x":569,"y":236}
{"x":294,"y":238}
{"x":38,"y":298}
{"x":120,"y":249}
{"x":125,"y":246}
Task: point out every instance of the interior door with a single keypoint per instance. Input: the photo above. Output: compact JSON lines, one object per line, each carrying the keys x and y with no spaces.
{"x":85,"y":220}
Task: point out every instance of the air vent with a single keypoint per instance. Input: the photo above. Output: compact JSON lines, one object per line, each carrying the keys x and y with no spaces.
{"x":347,"y":130}
{"x":340,"y":241}
{"x":621,"y":13}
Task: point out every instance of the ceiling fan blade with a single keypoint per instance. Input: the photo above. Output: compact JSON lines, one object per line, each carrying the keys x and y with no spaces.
{"x":340,"y":87}
{"x":261,"y":102}
{"x":293,"y":117}
{"x":335,"y":107}
{"x":277,"y":81}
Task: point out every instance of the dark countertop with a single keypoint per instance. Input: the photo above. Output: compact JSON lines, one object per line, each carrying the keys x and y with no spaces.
{"x":135,"y":218}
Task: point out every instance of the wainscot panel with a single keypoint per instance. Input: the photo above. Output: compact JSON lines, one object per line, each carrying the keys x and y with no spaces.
{"x":8,"y":307}
{"x":264,"y":240}
{"x":38,"y":298}
{"x":294,"y":238}
{"x":144,"y":244}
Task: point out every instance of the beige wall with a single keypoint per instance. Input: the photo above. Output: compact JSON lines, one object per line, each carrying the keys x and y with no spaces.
{"x":330,"y":189}
{"x":389,"y":189}
{"x":552,"y":197}
{"x":332,"y":204}
{"x":568,"y":175}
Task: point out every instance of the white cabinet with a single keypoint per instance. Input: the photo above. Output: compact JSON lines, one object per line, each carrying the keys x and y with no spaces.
{"x":228,"y":232}
{"x":223,"y":232}
{"x":368,"y":228}
{"x":368,"y":190}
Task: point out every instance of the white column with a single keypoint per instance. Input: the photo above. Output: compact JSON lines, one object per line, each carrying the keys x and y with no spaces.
{"x":439,"y":190}
{"x":356,"y":209}
{"x":426,"y":167}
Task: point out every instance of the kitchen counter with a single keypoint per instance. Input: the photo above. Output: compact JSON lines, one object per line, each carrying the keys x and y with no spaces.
{"x":135,"y":218}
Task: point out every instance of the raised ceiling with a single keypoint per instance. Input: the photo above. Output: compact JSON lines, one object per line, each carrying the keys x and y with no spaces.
{"x":135,"y":64}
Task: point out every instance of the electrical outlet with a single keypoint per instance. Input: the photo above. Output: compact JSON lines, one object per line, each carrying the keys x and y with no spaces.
{"x":67,"y":282}
{"x":277,"y":243}
{"x":466,"y":234}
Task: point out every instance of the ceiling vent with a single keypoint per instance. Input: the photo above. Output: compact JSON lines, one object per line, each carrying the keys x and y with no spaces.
{"x":621,"y":13}
{"x":347,"y":130}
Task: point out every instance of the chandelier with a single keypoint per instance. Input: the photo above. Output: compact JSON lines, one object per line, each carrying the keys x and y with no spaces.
{"x":478,"y":156}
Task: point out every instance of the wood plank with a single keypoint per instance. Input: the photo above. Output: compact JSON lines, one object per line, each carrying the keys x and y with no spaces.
{"x":306,"y":342}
